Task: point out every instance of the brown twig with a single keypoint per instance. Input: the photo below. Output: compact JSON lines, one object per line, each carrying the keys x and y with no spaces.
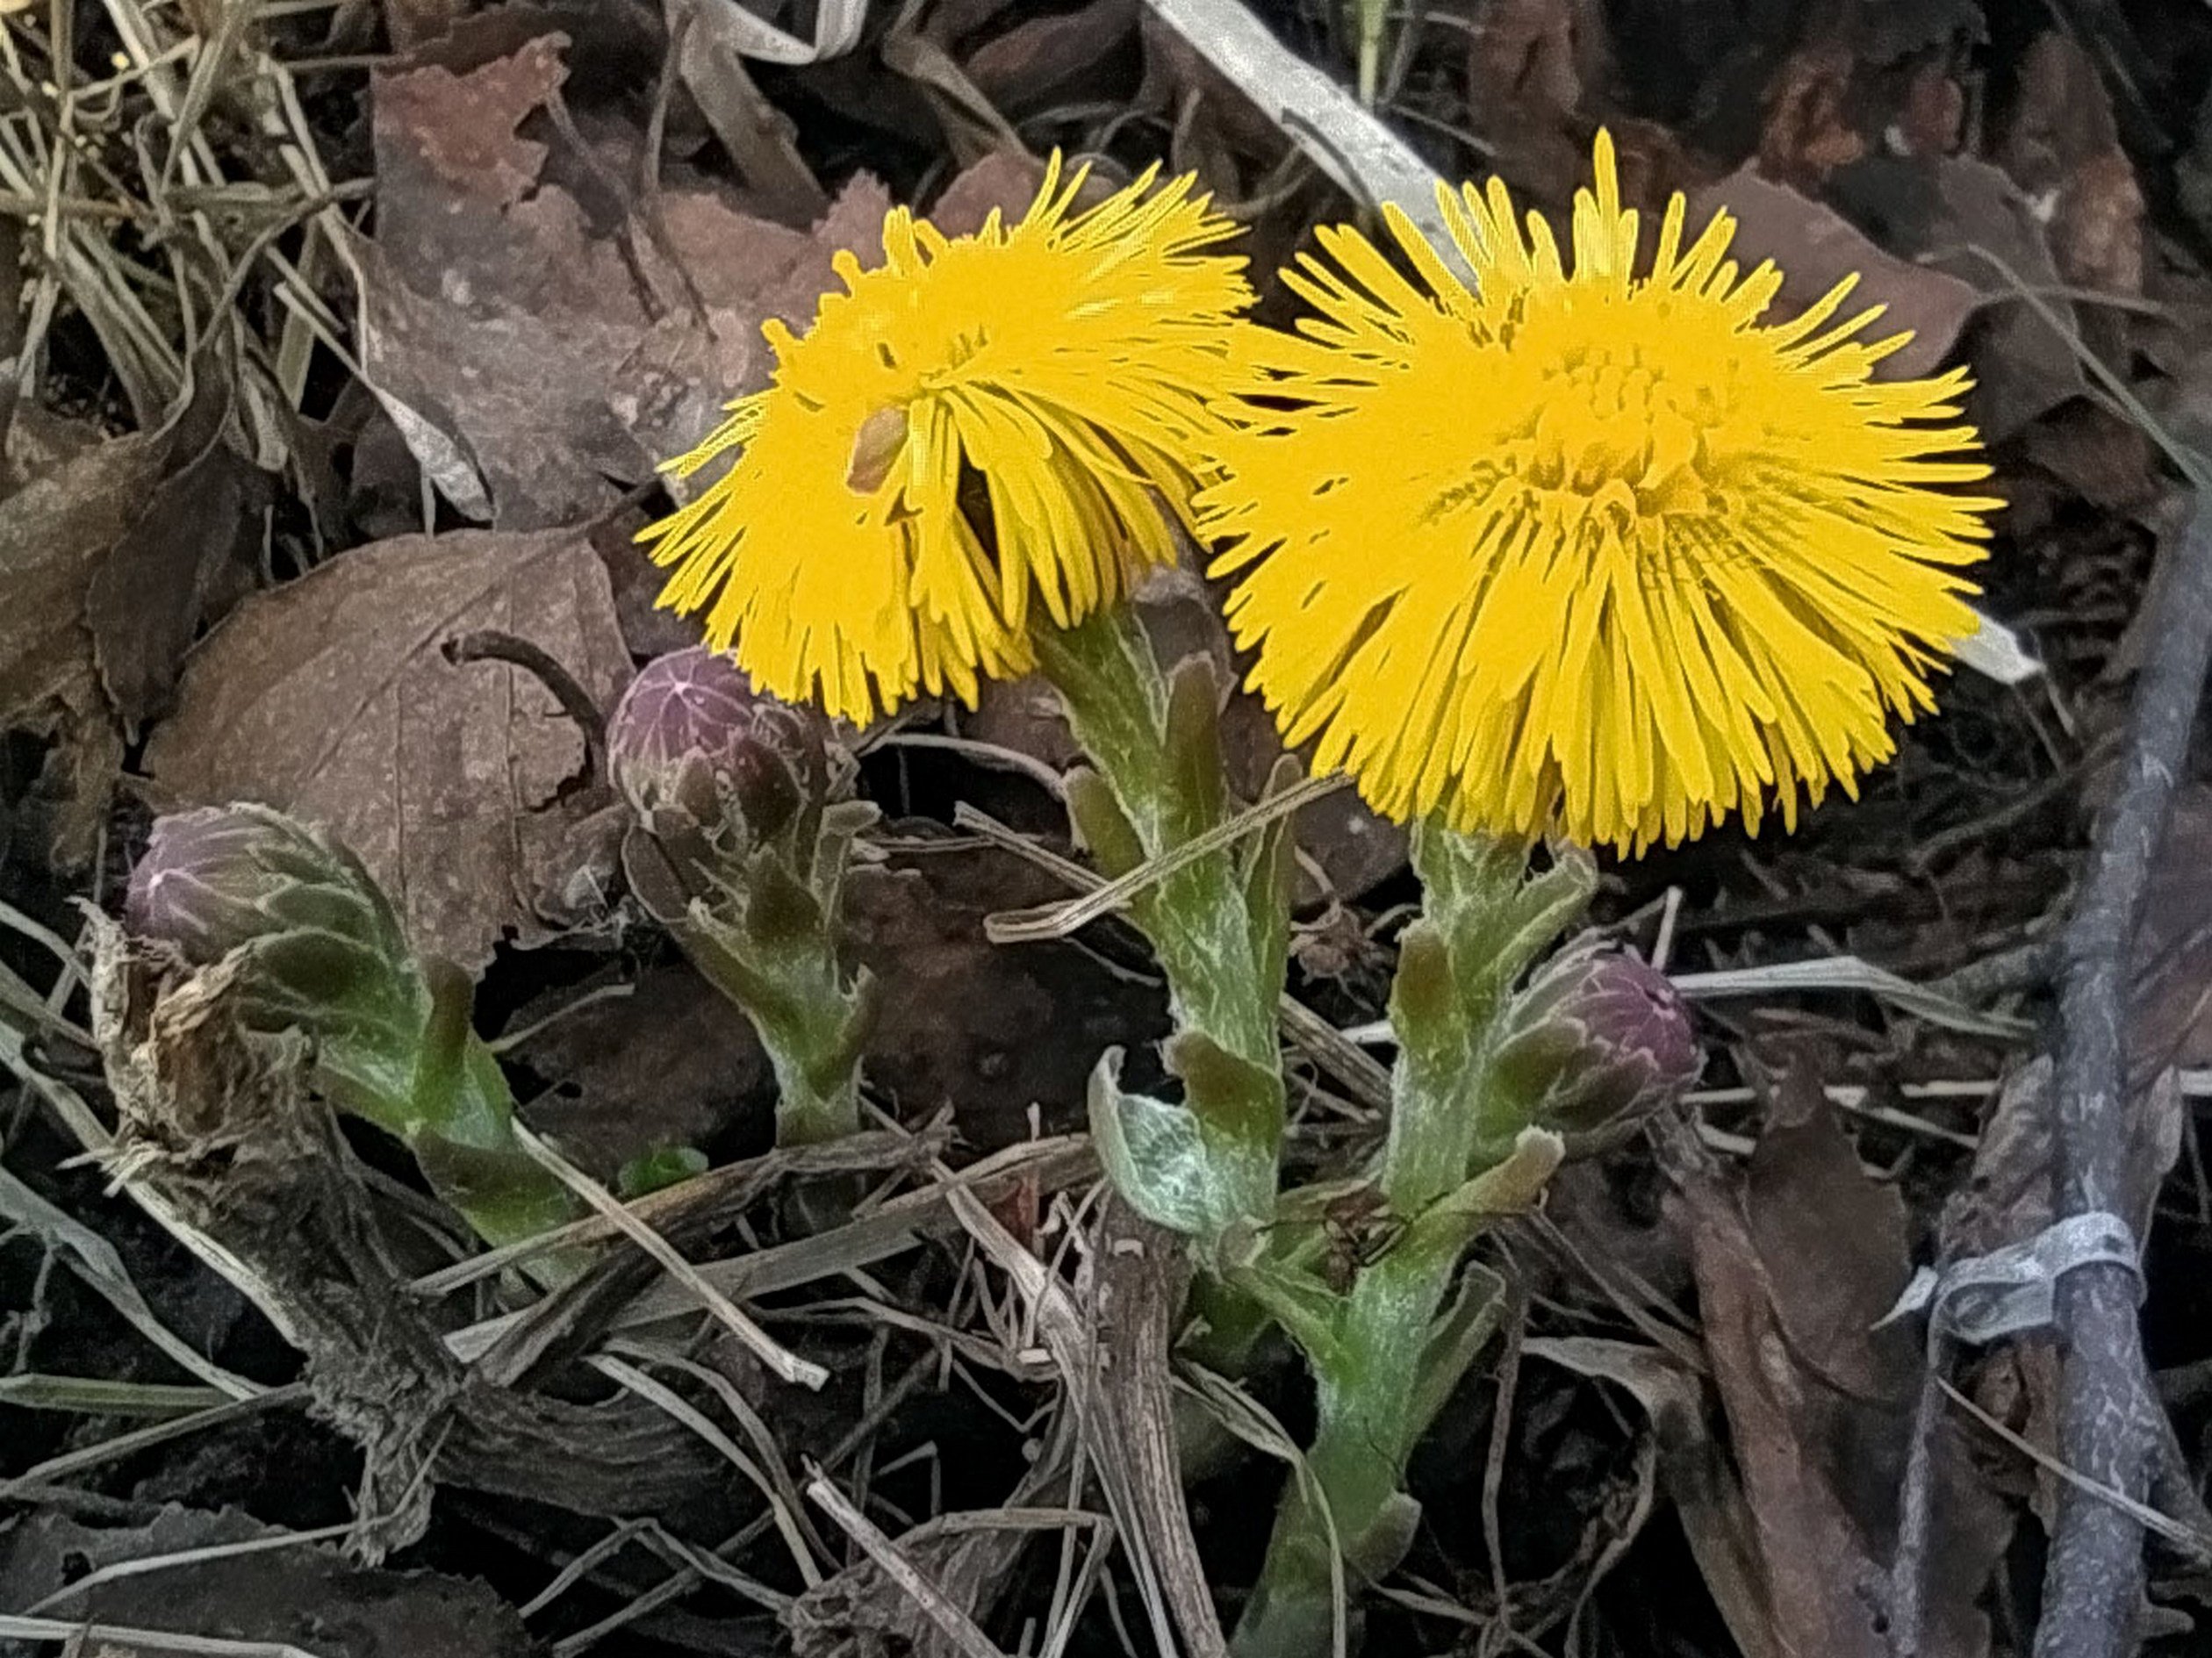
{"x":488,"y":644}
{"x":1915,"y":1507}
{"x":2107,"y":1417}
{"x":1146,"y":1272}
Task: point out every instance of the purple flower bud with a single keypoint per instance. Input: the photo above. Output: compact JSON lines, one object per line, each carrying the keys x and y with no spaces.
{"x":691,"y":735}
{"x":1597,"y":1036}
{"x":214,"y":880}
{"x":328,"y":950}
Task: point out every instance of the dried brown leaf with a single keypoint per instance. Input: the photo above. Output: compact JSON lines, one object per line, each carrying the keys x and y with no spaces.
{"x":1057,"y":58}
{"x":180,"y":561}
{"x":1953,"y":214}
{"x":2061,"y":144}
{"x":1836,"y":1246}
{"x":1003,"y":183}
{"x":1823,"y":1582}
{"x":540,"y":351}
{"x":1809,"y":130}
{"x":1816,"y":247}
{"x":55,"y":535}
{"x":331,"y":698}
{"x":1793,"y":1265}
{"x":1530,"y":64}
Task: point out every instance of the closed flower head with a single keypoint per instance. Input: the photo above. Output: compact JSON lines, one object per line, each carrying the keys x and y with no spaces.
{"x":692,"y":738}
{"x":979,"y":428}
{"x":1591,"y":548}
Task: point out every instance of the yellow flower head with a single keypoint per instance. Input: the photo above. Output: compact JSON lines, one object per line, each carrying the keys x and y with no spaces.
{"x":1590,"y":550}
{"x":977,"y":425}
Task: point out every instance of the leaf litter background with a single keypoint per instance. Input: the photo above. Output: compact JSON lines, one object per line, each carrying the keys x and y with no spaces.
{"x":341,"y":332}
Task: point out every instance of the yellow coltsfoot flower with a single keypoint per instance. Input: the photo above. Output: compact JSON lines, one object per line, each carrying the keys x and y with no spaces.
{"x":978,"y":428}
{"x":1589,"y":550}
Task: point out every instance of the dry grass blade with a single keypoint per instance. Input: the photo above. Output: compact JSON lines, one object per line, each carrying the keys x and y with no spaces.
{"x":1059,"y":921}
{"x":625,"y":1533}
{"x":94,"y":1260}
{"x":1366,"y":161}
{"x":1827,"y":972}
{"x":93,"y":1396}
{"x":1068,"y":1336}
{"x":778,"y":1358}
{"x":730,"y":1186}
{"x":956,"y":1624}
{"x":123,"y":1444}
{"x":118,"y":1570}
{"x":80,"y":1119}
{"x":787,"y":1521}
{"x":771,"y":1454}
{"x":91,"y":1257}
{"x":890,"y":1230}
{"x":2196,"y":1544}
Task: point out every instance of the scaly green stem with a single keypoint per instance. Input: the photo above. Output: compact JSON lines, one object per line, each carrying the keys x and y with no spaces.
{"x":811,"y":1016}
{"x":1388,"y":1353}
{"x":1364,"y":1438}
{"x":1219,"y":924}
{"x":435,"y":1085}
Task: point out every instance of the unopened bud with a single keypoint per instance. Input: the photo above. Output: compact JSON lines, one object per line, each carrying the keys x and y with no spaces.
{"x":228,"y":877}
{"x":318,"y":948}
{"x":691,"y":735}
{"x":1597,"y":1036}
{"x":323,"y":950}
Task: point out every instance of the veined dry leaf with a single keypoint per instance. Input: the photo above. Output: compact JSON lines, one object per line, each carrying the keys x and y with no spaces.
{"x":331,"y":698}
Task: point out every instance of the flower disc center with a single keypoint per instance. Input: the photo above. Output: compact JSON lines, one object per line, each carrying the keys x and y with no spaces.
{"x":1611,"y":422}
